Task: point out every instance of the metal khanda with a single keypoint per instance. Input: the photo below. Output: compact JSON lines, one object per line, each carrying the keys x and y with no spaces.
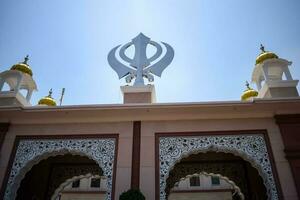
{"x":140,"y":66}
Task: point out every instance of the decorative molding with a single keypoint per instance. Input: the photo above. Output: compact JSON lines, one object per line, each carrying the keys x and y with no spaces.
{"x":31,"y":151}
{"x":251,"y":147}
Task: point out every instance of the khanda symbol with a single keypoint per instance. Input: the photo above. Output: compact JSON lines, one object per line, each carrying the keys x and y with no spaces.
{"x":140,"y":66}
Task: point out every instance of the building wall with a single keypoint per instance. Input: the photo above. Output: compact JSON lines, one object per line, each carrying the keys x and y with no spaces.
{"x":85,"y":186}
{"x":290,"y":128}
{"x":206,"y":190}
{"x":147,"y":156}
{"x":205,"y":184}
{"x":80,"y":196}
{"x":84,"y":191}
{"x":147,"y":182}
{"x":202,"y":196}
{"x":123,"y":170}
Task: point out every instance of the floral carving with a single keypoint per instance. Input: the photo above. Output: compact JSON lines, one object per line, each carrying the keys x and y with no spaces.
{"x":31,"y":151}
{"x":251,"y":148}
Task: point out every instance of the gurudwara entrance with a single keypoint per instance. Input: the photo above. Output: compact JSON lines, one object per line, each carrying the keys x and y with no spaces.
{"x":247,"y":149}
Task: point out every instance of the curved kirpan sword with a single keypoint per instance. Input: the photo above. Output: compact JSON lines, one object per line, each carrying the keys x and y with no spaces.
{"x":140,"y":62}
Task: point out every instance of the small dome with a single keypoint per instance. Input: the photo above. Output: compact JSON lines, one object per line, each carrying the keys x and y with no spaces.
{"x":23,"y":67}
{"x":264,"y":55}
{"x":248,"y":93}
{"x":47,"y":100}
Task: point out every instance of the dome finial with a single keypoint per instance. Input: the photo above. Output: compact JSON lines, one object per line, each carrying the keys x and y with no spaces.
{"x":47,"y":100}
{"x":26,"y":59}
{"x":264,"y":55}
{"x":262,"y":48}
{"x":50,"y":93}
{"x":23,"y":66}
{"x":249,"y":93}
{"x":248,"y":85}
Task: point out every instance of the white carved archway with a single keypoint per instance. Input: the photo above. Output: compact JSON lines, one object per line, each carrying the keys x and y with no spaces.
{"x":251,"y":148}
{"x":236,"y":188}
{"x":31,"y":151}
{"x":68,"y":181}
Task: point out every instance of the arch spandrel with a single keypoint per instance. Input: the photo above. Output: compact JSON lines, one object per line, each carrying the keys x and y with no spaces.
{"x":251,"y":148}
{"x":31,"y":151}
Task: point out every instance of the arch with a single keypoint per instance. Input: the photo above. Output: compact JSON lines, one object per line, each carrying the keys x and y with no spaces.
{"x":16,"y":79}
{"x":236,"y":188}
{"x":49,"y":173}
{"x":31,"y":152}
{"x":227,"y":164}
{"x":12,"y":77}
{"x":24,"y":92}
{"x":68,"y":181}
{"x":5,"y":87}
{"x":252,"y":148}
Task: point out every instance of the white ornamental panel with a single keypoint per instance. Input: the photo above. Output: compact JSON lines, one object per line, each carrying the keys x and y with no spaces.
{"x":31,"y":151}
{"x":251,"y":148}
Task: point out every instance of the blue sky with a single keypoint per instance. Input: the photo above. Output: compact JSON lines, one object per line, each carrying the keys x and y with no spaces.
{"x":215,"y":42}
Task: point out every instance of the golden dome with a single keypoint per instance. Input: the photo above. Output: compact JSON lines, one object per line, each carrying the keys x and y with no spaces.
{"x":264,"y":55}
{"x":47,"y":100}
{"x":23,"y":67}
{"x":248,"y":93}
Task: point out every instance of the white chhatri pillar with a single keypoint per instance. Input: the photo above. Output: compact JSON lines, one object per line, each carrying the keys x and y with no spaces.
{"x":273,"y":78}
{"x":19,"y":77}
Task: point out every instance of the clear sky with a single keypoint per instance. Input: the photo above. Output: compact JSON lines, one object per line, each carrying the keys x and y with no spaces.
{"x":215,"y":42}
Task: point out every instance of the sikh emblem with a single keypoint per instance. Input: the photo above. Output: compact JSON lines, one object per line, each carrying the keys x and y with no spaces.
{"x":140,"y":66}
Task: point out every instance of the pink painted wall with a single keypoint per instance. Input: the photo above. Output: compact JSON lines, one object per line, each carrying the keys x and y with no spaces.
{"x":149,"y":128}
{"x":147,"y":181}
{"x":124,"y":129}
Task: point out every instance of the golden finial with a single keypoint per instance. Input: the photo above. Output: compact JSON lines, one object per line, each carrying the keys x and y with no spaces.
{"x":262,"y":48}
{"x":248,"y":85}
{"x":50,"y":93}
{"x":23,"y":66}
{"x":26,"y":59}
{"x":264,"y":55}
{"x":248,"y":93}
{"x":47,"y":100}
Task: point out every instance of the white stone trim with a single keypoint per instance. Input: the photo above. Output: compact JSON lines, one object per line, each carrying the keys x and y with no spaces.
{"x":234,"y":187}
{"x":68,"y":181}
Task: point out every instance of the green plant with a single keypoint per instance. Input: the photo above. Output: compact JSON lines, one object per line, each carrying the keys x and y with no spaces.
{"x":132,"y":194}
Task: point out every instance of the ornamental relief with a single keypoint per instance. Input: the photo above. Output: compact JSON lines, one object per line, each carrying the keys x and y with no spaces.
{"x":31,"y":151}
{"x":251,"y":148}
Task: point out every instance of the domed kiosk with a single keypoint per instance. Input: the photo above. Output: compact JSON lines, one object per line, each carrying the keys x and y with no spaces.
{"x":272,"y":76}
{"x":18,"y":78}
